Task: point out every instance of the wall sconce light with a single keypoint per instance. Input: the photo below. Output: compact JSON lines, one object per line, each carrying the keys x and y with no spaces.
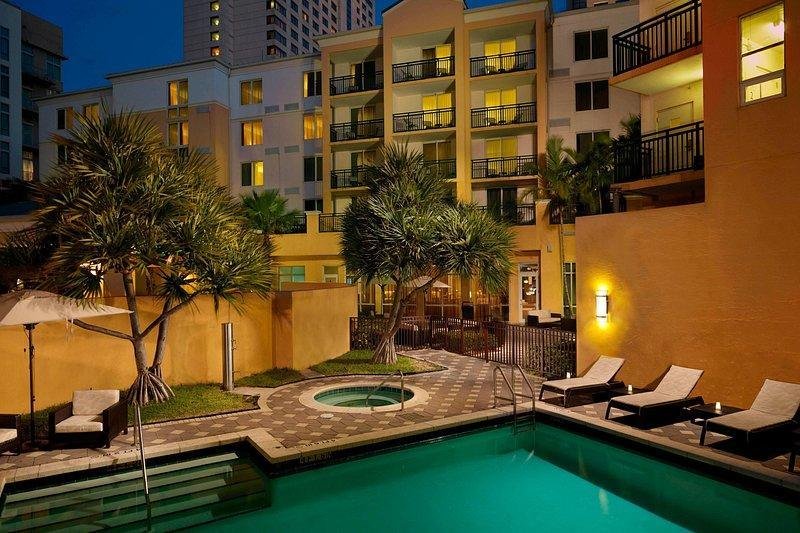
{"x":601,"y":303}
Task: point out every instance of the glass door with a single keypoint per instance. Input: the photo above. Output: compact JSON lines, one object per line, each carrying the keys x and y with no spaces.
{"x":529,"y":288}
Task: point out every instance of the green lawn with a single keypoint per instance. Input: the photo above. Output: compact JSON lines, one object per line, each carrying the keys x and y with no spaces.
{"x":270,"y":378}
{"x":360,"y":362}
{"x":193,"y":400}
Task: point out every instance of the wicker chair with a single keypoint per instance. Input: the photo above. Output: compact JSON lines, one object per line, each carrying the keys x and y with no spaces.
{"x":94,"y":417}
{"x":9,"y":433}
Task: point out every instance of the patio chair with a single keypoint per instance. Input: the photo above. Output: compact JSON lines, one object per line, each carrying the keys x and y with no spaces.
{"x":774,"y":409}
{"x":94,"y":417}
{"x":597,"y":379}
{"x":9,"y":433}
{"x":670,"y":396}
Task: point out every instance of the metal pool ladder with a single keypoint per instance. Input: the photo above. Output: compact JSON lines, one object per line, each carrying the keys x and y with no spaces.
{"x":382,"y":383}
{"x":514,"y":394}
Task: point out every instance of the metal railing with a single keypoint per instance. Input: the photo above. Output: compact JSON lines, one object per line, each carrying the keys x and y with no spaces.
{"x":382,"y":383}
{"x":504,"y":114}
{"x":445,"y":167}
{"x":514,"y":394}
{"x":299,"y":225}
{"x":659,"y":153}
{"x":330,"y":223}
{"x":517,"y":215}
{"x":355,"y":84}
{"x":500,"y":63}
{"x":424,"y":120}
{"x":423,"y":69}
{"x":502,"y":167}
{"x":363,"y":129}
{"x":349,"y":177}
{"x":40,"y":73}
{"x":569,"y":214}
{"x":665,"y":34}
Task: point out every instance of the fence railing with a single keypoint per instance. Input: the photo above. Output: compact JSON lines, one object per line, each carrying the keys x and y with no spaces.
{"x":364,"y":129}
{"x":329,"y":223}
{"x":501,"y":167}
{"x":568,"y":216}
{"x":299,"y":225}
{"x":548,"y":352}
{"x":665,"y":34}
{"x":445,"y":167}
{"x":349,"y":177}
{"x":500,"y":63}
{"x":504,"y":114}
{"x":423,"y":69}
{"x":355,"y":84}
{"x":517,"y":215}
{"x":424,"y":120}
{"x":659,"y":153}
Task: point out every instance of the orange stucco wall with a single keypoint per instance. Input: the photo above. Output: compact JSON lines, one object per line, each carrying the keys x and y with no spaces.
{"x":713,"y":285}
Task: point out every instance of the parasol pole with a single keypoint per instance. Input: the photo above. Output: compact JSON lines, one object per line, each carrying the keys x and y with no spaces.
{"x":31,"y":353}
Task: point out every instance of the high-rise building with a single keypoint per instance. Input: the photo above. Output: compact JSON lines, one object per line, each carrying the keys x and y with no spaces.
{"x":31,"y":51}
{"x":248,"y":31}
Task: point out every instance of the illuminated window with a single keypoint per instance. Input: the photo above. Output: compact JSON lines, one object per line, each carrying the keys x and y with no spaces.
{"x":215,"y":51}
{"x":253,"y":174}
{"x":214,"y":6}
{"x":215,"y":36}
{"x":91,"y":111}
{"x":214,"y":22}
{"x":312,"y":83}
{"x":312,"y":126}
{"x":291,"y":274}
{"x":250,"y":92}
{"x":5,"y":157}
{"x":28,"y":165}
{"x":252,"y":133}
{"x":178,"y":92}
{"x":178,"y":134}
{"x":762,"y":54}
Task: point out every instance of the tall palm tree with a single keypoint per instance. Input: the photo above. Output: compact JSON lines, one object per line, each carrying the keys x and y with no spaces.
{"x":409,"y":226}
{"x":268,"y":214}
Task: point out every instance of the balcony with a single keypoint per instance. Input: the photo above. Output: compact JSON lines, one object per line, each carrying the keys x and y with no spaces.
{"x":299,"y":225}
{"x":502,"y":63}
{"x":351,"y":131}
{"x":503,"y":115}
{"x":40,"y":74}
{"x":349,"y":177}
{"x":424,"y":120}
{"x":445,"y":167}
{"x":424,"y":69}
{"x":330,"y":223}
{"x":356,"y":84}
{"x":517,"y":215}
{"x":503,"y":167}
{"x":660,"y":153}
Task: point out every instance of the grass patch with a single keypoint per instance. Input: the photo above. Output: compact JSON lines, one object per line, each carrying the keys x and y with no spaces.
{"x":360,"y":362}
{"x":193,"y":400}
{"x":270,"y":378}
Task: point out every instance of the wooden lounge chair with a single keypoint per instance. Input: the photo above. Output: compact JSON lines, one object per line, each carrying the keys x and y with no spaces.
{"x":9,"y":433}
{"x":669,"y":397}
{"x":94,"y":417}
{"x":774,"y":409}
{"x":597,"y":379}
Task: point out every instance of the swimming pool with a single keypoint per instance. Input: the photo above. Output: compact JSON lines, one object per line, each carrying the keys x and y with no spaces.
{"x":363,"y":396}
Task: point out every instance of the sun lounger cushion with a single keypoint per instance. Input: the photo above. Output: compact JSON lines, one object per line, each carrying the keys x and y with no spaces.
{"x":93,"y":402}
{"x":645,"y":398}
{"x":749,"y":420}
{"x":571,"y":383}
{"x":80,"y":424}
{"x":604,"y":369}
{"x":778,"y":398}
{"x":679,"y":381}
{"x":7,"y":435}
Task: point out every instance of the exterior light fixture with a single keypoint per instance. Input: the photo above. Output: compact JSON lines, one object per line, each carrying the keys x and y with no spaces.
{"x":601,"y":303}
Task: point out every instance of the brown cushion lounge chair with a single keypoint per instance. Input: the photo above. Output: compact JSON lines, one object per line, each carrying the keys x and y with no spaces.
{"x":774,"y":409}
{"x":94,"y":417}
{"x":9,"y":433}
{"x":597,"y":379}
{"x":670,"y":396}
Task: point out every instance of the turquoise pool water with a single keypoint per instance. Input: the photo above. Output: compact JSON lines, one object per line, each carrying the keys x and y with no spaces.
{"x":357,"y":396}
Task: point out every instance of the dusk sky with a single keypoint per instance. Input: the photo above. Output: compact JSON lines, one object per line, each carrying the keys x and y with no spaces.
{"x":105,"y":36}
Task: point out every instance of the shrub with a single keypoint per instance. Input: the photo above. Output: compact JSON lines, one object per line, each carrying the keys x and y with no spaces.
{"x":553,"y":360}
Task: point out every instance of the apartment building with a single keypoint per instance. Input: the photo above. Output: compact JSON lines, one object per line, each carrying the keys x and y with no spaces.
{"x":31,"y":52}
{"x":708,"y":283}
{"x":241,"y":32}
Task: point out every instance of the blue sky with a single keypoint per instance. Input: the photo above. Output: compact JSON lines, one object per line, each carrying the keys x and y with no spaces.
{"x":104,"y":36}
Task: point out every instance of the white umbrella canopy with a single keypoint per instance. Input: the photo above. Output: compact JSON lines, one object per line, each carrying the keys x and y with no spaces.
{"x":422,"y":280}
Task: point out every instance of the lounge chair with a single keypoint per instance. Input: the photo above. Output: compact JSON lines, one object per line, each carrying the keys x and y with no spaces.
{"x":670,"y":396}
{"x":597,"y":379}
{"x":774,"y":409}
{"x":9,"y":433}
{"x":94,"y":417}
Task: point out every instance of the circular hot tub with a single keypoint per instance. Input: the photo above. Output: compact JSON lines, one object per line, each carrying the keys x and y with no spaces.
{"x":359,"y":396}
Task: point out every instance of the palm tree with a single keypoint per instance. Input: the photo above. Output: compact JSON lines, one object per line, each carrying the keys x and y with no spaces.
{"x":409,"y":226}
{"x":594,"y":173}
{"x":268,"y":214}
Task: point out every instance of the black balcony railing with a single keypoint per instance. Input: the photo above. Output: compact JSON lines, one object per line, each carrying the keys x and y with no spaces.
{"x":504,"y":114}
{"x":299,"y":225}
{"x":349,"y":177}
{"x":356,"y":84}
{"x":565,"y":215}
{"x":678,"y":29}
{"x":517,"y":214}
{"x":426,"y":68}
{"x":425,"y":120}
{"x":364,"y":129}
{"x":663,"y":152}
{"x":330,"y":223}
{"x":498,"y":64}
{"x":445,"y":167}
{"x":502,"y":167}
{"x":42,"y":74}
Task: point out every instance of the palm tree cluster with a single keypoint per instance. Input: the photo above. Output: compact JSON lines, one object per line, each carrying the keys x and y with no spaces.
{"x":123,"y":204}
{"x":409,"y":226}
{"x":268,"y":214}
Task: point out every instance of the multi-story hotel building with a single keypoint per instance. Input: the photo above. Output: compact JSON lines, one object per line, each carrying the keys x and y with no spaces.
{"x":240,"y":32}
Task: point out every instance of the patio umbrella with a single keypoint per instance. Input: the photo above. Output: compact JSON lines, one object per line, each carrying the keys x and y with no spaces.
{"x":422,"y":280}
{"x":27,"y":308}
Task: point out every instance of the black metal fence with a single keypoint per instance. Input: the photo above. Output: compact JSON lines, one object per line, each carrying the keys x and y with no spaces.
{"x":330,"y":223}
{"x":517,"y":215}
{"x":500,"y":63}
{"x":364,"y":129}
{"x":548,"y":352}
{"x":355,"y":84}
{"x":659,"y":153}
{"x":501,"y":167}
{"x":504,"y":114}
{"x":670,"y":32}
{"x":349,"y":177}
{"x":299,"y":225}
{"x":425,"y":120}
{"x":445,"y":167}
{"x":425,"y":68}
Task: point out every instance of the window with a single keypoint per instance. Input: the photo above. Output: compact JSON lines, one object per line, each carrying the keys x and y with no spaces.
{"x":253,"y":174}
{"x":599,"y":44}
{"x":312,"y":168}
{"x":250,"y":92}
{"x":215,"y":51}
{"x":63,"y":118}
{"x":295,"y":37}
{"x":4,"y":43}
{"x":53,"y":67}
{"x":4,"y":81}
{"x":314,"y":204}
{"x":295,"y":50}
{"x":252,"y":133}
{"x":91,"y":111}
{"x":214,"y":6}
{"x":291,"y":274}
{"x":28,"y":165}
{"x":762,"y":55}
{"x":305,"y":16}
{"x":312,"y":126}
{"x":215,"y":36}
{"x":178,"y":112}
{"x":5,"y":119}
{"x":584,"y":140}
{"x":330,"y":274}
{"x":591,"y":95}
{"x":178,"y":133}
{"x":294,"y":7}
{"x":570,"y":285}
{"x":591,"y":44}
{"x":178,"y":93}
{"x":62,"y":154}
{"x":312,"y":85}
{"x":214,"y":22}
{"x":5,"y":158}
{"x":306,"y":31}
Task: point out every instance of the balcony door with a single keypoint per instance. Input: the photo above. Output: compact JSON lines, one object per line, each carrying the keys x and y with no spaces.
{"x":364,"y":74}
{"x":438,"y":60}
{"x":494,"y":99}
{"x":496,"y":150}
{"x":438,"y":108}
{"x":492,"y":49}
{"x":437,"y":151}
{"x":357,"y":116}
{"x":530,"y":297}
{"x":502,"y":203}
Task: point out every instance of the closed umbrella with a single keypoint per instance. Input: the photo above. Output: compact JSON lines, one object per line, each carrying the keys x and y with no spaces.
{"x":422,"y":280}
{"x":27,"y":308}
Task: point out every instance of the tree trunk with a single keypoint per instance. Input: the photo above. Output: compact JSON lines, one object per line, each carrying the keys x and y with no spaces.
{"x":386,"y":353}
{"x":139,"y":350}
{"x":565,"y":291}
{"x":161,"y":343}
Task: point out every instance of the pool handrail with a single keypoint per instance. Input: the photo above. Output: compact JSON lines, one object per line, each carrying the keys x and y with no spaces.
{"x":382,"y":383}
